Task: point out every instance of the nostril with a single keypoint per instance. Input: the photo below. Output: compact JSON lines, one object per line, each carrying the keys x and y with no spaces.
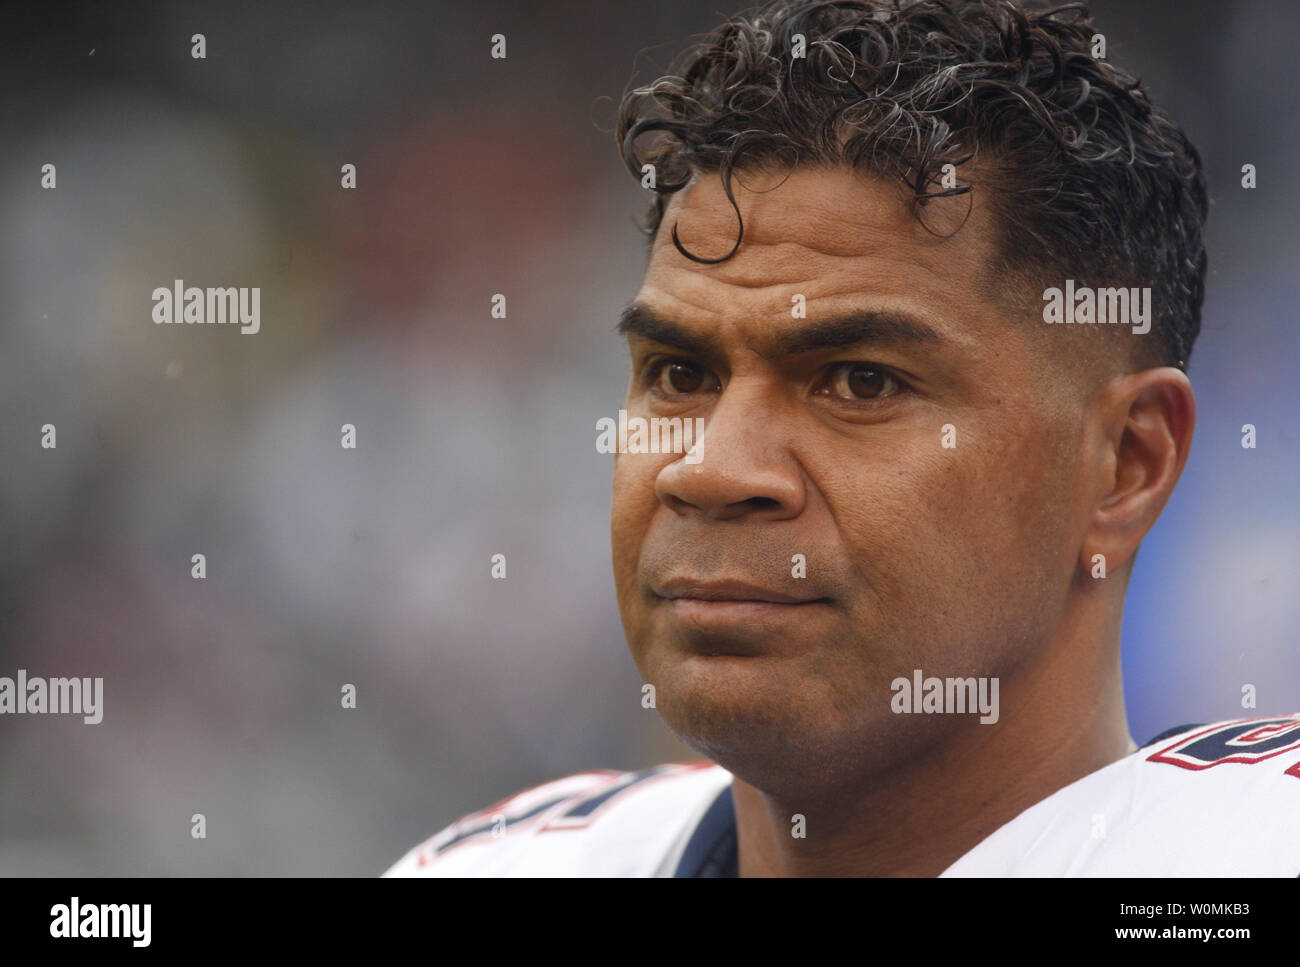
{"x":762,"y":502}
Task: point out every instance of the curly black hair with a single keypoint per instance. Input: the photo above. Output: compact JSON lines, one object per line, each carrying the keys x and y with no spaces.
{"x":1087,"y":178}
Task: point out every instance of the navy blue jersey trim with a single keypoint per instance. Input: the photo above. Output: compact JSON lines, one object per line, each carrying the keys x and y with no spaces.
{"x":1170,"y":733}
{"x":711,"y":850}
{"x":589,"y":806}
{"x":489,"y":826}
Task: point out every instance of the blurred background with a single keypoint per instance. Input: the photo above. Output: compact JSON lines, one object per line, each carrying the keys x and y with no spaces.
{"x":475,"y":435}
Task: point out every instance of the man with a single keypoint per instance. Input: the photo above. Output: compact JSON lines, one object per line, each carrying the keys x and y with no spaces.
{"x":931,"y":274}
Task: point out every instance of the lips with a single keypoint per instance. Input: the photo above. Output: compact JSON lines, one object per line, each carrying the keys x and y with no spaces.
{"x":676,"y":589}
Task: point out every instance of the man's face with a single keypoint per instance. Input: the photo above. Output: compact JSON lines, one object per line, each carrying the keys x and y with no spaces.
{"x":824,"y":439}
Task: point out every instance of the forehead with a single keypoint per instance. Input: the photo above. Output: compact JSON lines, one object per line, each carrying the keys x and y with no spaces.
{"x":835,"y":236}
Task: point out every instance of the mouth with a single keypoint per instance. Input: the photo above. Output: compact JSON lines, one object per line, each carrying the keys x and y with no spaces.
{"x":740,"y":619}
{"x":682,"y":592}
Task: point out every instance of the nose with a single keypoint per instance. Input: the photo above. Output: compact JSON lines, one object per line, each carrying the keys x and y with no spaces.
{"x":746,"y":468}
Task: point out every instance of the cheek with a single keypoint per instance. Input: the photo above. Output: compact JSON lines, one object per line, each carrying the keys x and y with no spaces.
{"x":631,"y":510}
{"x":926,"y":524}
{"x":894,"y":515}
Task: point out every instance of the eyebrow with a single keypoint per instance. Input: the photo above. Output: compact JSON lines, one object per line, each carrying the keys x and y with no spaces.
{"x":863,"y":326}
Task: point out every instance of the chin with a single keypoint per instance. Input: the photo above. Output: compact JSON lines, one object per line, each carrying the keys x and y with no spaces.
{"x":781,"y":729}
{"x":749,"y":715}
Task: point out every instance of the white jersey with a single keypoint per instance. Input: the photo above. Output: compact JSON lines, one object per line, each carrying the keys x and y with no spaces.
{"x":1207,"y":800}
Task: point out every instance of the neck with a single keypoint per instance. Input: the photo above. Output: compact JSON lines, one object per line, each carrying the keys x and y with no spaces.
{"x":1063,"y":718}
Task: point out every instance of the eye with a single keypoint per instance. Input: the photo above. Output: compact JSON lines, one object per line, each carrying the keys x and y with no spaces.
{"x":861,"y":382}
{"x":676,"y":377}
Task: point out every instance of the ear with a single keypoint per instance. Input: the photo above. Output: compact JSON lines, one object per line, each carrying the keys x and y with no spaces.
{"x":1146,"y":420}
